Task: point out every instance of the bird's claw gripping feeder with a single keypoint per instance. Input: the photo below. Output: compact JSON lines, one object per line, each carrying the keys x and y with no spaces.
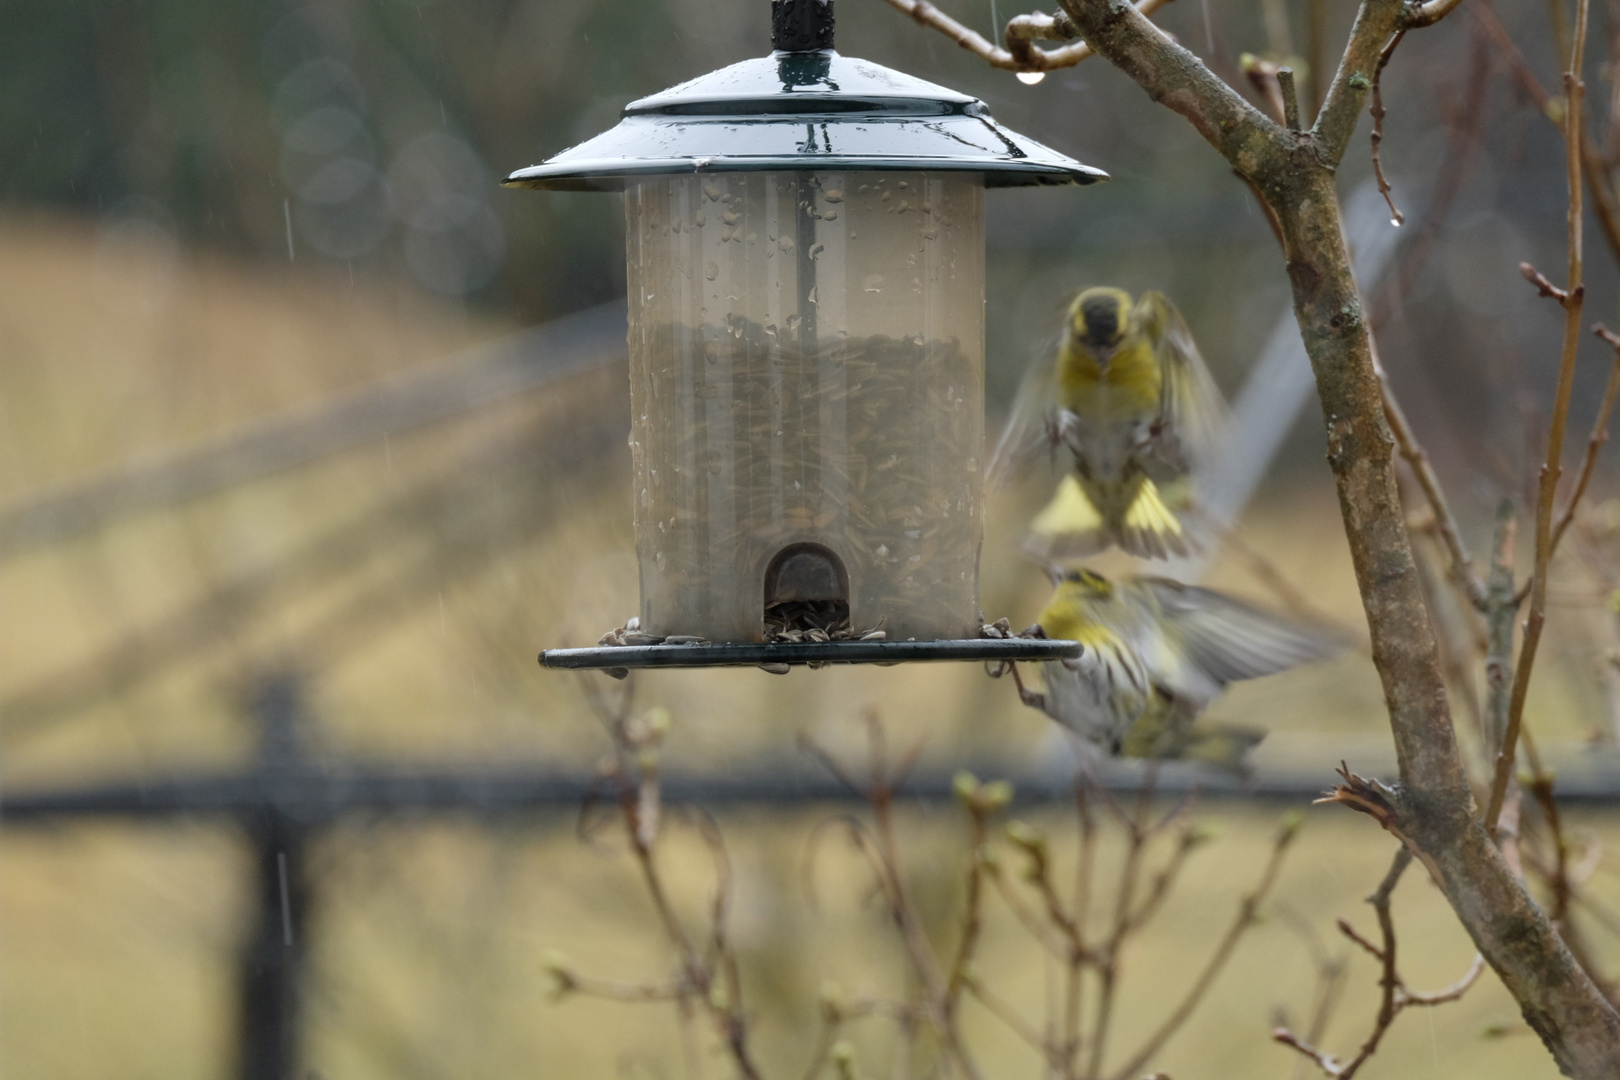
{"x":805,"y":249}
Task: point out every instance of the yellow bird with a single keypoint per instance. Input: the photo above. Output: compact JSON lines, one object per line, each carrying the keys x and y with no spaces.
{"x":1156,"y":653}
{"x":1131,"y":399}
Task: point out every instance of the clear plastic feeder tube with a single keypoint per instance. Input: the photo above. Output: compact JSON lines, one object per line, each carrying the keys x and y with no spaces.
{"x":807,"y":402}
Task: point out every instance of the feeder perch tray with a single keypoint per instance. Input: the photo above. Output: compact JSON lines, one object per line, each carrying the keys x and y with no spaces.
{"x":751,"y":654}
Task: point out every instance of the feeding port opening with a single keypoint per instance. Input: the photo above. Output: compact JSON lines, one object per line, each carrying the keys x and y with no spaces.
{"x":806,"y":589}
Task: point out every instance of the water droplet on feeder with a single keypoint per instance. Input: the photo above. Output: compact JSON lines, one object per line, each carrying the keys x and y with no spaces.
{"x":833,"y":195}
{"x":830,"y":215}
{"x":711,"y":191}
{"x":1395,"y":221}
{"x":711,"y":270}
{"x":1030,"y":78}
{"x":700,"y":219}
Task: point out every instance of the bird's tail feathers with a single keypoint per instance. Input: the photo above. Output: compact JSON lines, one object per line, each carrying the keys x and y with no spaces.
{"x":1151,"y":529}
{"x":1070,"y":527}
{"x":1156,"y":524}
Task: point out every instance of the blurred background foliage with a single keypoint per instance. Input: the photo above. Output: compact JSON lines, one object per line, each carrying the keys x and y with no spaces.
{"x":214,"y":214}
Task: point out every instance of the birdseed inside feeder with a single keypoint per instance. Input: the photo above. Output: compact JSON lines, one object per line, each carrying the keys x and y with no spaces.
{"x":805,"y":252}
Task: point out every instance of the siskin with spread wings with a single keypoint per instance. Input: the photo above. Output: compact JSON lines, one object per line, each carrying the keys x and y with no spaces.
{"x":1156,"y":653}
{"x":1130,"y":398}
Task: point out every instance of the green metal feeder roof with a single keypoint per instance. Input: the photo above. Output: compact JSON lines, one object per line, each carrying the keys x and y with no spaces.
{"x":805,"y":110}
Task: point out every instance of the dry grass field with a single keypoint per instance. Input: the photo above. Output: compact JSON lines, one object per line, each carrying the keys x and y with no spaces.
{"x":409,"y":583}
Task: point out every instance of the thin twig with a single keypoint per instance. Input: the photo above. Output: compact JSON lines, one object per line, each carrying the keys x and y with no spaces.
{"x":1377,"y":111}
{"x":1550,"y":472}
{"x":1290,"y":97}
{"x":1060,"y":948}
{"x":1448,"y":994}
{"x":973,"y":913}
{"x":571,"y":982}
{"x":1544,"y":288}
{"x":1462,"y":150}
{"x":1430,"y":13}
{"x":1348,"y":930}
{"x":1574,"y":295}
{"x":1389,"y":982}
{"x":1165,"y":879}
{"x":1022,"y":32}
{"x":1599,"y":436}
{"x":1085,"y":865}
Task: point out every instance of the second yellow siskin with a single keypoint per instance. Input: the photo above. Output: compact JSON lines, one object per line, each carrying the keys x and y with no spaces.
{"x":1156,"y":653}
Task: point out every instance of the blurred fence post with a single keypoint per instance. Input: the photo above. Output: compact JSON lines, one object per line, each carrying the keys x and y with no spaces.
{"x":272,"y":961}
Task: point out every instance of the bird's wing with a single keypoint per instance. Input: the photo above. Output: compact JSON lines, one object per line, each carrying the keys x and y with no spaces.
{"x":1032,"y":425}
{"x":1211,"y":640}
{"x":1192,"y":411}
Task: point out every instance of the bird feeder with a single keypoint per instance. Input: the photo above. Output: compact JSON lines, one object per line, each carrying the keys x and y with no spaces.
{"x":805,"y":255}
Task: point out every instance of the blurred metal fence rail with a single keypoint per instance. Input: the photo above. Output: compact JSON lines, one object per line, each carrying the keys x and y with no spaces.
{"x":315,"y":793}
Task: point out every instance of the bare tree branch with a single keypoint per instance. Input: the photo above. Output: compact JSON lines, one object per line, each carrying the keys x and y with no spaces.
{"x":1572,"y":299}
{"x":1376,"y":22}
